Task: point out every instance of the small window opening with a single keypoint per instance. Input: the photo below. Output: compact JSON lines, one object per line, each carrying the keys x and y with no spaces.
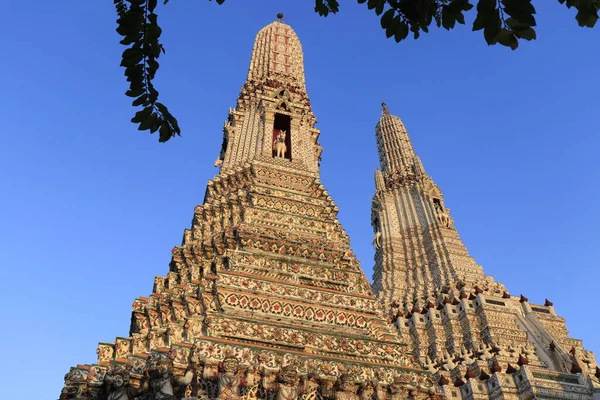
{"x":282,"y":136}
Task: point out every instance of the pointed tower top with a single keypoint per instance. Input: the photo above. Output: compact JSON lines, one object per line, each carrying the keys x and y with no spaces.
{"x":396,"y":153}
{"x":384,"y":109}
{"x":277,"y":54}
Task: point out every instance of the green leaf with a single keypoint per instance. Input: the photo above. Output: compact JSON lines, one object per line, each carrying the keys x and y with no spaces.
{"x":492,"y":27}
{"x":155,"y":124}
{"x":140,"y":100}
{"x":142,"y":115}
{"x":387,"y":18}
{"x":132,"y":53}
{"x":164,"y":133}
{"x":506,"y":38}
{"x":149,"y":122}
{"x":379,"y":7}
{"x":448,"y":19}
{"x":527,"y":34}
{"x":153,"y":31}
{"x":134,"y":93}
{"x":401,"y":32}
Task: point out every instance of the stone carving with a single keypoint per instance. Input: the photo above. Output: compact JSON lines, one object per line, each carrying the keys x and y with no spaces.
{"x":279,"y":144}
{"x":75,"y":385}
{"x":230,"y":379}
{"x":485,"y":351}
{"x":398,"y":389}
{"x":443,"y":217}
{"x":310,"y":387}
{"x":289,"y":380}
{"x":161,"y":380}
{"x":366,"y":391}
{"x":347,"y":388}
{"x":466,"y":355}
{"x":377,"y":240}
{"x":431,"y":366}
{"x":117,"y":382}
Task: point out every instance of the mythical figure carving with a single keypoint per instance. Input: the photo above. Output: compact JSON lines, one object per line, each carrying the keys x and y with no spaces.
{"x":311,"y":387}
{"x":381,"y":392}
{"x":161,"y":379}
{"x":486,"y":351}
{"x":466,"y":355}
{"x":397,"y":390}
{"x":366,"y":391}
{"x":75,"y":384}
{"x":347,"y":388}
{"x":230,"y":379}
{"x":377,"y":240}
{"x":431,"y":365}
{"x":117,"y":382}
{"x":443,"y":217}
{"x":279,"y":144}
{"x":288,"y":380}
{"x":448,"y":361}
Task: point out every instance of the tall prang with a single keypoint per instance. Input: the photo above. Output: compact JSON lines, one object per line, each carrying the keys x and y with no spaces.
{"x":264,"y":297}
{"x":454,"y":318}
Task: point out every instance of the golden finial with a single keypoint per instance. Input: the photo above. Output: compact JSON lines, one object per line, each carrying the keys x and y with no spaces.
{"x":384,"y":109}
{"x":280,"y":17}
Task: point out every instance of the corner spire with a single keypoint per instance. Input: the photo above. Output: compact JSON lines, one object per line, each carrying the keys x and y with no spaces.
{"x":396,"y":153}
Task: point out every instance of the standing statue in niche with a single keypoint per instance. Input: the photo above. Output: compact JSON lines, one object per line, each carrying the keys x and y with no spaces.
{"x":442,"y":215}
{"x":377,"y":240}
{"x":279,"y":144}
{"x":377,"y":237}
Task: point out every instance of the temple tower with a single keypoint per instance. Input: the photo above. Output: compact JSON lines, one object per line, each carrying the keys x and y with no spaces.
{"x":273,"y":108}
{"x":264,"y":297}
{"x":456,"y":319}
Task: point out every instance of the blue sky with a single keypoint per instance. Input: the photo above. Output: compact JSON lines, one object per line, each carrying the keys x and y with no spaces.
{"x":90,"y":207}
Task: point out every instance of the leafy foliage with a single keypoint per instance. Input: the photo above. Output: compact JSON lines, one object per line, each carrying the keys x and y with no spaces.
{"x":503,"y":22}
{"x":138,"y":24}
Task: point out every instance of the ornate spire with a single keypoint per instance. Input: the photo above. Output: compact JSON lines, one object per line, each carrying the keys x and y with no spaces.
{"x":273,"y":121}
{"x":384,"y":109}
{"x":277,"y":53}
{"x":396,"y":153}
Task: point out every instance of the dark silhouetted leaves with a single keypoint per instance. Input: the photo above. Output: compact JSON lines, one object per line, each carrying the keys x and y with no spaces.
{"x":324,"y":7}
{"x":587,"y":11}
{"x":138,"y":24}
{"x":502,"y":21}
